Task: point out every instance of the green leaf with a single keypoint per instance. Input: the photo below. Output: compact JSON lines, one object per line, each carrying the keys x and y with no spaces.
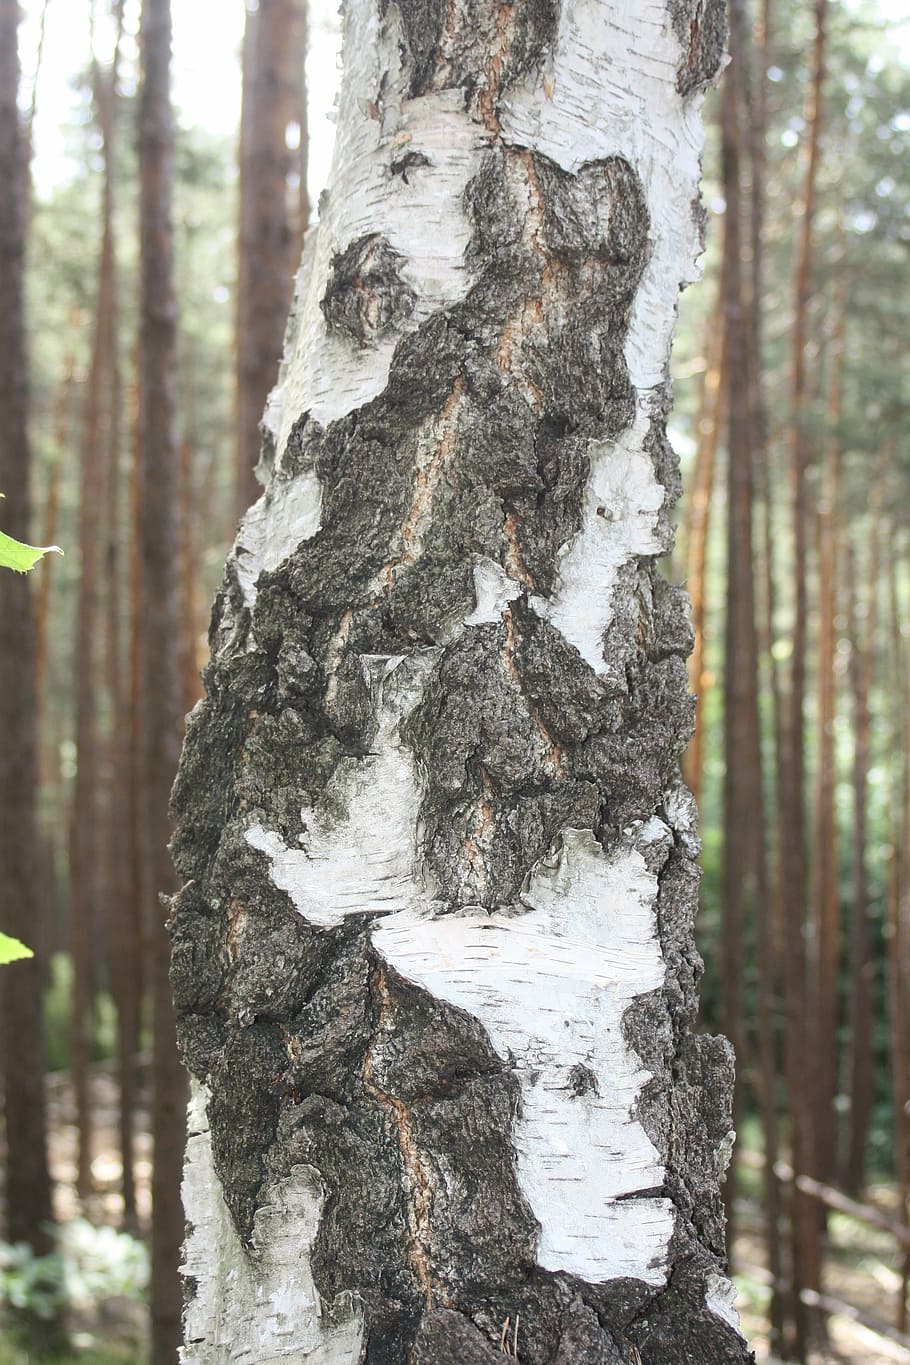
{"x":15,"y":555}
{"x":11,"y":950}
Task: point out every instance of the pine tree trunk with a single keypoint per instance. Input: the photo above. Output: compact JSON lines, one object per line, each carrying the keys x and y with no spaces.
{"x":86,"y":845}
{"x":862,"y":1060}
{"x":433,"y":953}
{"x":188,"y":523}
{"x":160,"y":645}
{"x":268,"y":248}
{"x":301,"y":100}
{"x":825,"y":898}
{"x":710,"y":420}
{"x":792,"y":832}
{"x":744,"y":884}
{"x":138,"y":874}
{"x":898,"y":916}
{"x":119,"y":918}
{"x":27,"y":1184}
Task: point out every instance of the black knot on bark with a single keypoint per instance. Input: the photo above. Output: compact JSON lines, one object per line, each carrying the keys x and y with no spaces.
{"x":582,"y":1080}
{"x":366,"y":297}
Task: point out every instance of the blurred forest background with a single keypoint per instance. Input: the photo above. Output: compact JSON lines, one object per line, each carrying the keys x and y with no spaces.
{"x":792,"y":422}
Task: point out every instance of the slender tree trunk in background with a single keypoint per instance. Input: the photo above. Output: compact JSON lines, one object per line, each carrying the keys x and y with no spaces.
{"x":191,"y":517}
{"x":745,"y":876}
{"x":792,"y":837}
{"x":245,"y":486}
{"x":28,"y":1188}
{"x":138,"y":875}
{"x":160,"y":645}
{"x":94,"y":846}
{"x":739,"y":791}
{"x":418,"y":1009}
{"x":862,"y":637}
{"x":86,"y":846}
{"x":710,"y":419}
{"x":29,"y":127}
{"x":898,"y":917}
{"x":190,"y":684}
{"x":268,"y":248}
{"x":119,"y":919}
{"x":47,"y":727}
{"x":50,"y":516}
{"x":768,"y":929}
{"x":301,"y":99}
{"x":825,"y":900}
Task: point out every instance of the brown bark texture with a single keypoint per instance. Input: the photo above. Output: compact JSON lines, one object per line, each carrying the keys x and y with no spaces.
{"x":28,"y":1187}
{"x":161,"y":711}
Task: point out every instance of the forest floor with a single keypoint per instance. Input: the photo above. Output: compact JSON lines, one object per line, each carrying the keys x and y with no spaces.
{"x":861,"y":1268}
{"x":860,"y":1271}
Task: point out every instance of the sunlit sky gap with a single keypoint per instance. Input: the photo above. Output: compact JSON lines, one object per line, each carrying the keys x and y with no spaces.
{"x":206,"y":74}
{"x":207,"y":41}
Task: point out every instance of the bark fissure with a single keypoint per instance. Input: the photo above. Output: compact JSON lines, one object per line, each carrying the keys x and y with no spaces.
{"x":420,"y":1191}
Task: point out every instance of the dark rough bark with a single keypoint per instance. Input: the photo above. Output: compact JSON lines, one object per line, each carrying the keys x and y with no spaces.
{"x":27,"y":1184}
{"x":316,"y":1051}
{"x":702,"y":28}
{"x":160,"y":638}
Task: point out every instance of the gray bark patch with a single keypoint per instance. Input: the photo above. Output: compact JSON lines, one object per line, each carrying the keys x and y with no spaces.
{"x":517,"y":34}
{"x":584,"y":1341}
{"x":449,"y":1338}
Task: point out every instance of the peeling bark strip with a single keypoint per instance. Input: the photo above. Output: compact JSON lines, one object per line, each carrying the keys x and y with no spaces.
{"x":433,"y":954}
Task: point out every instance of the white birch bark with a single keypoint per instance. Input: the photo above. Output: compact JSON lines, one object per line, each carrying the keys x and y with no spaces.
{"x":453,"y":701}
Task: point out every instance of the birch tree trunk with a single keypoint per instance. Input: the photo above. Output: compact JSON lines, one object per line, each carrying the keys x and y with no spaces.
{"x":433,"y":954}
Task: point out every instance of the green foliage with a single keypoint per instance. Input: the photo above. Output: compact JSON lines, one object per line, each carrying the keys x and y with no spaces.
{"x":11,"y":950}
{"x":90,"y":1266}
{"x":58,"y":1018}
{"x":13,"y":1351}
{"x":21,"y":558}
{"x":29,"y":1282}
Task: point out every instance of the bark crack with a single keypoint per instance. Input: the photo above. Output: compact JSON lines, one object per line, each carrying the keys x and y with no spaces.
{"x":418,"y":1183}
{"x":515,"y":565}
{"x":555,"y":759}
{"x":488,"y":99}
{"x":426,"y":481}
